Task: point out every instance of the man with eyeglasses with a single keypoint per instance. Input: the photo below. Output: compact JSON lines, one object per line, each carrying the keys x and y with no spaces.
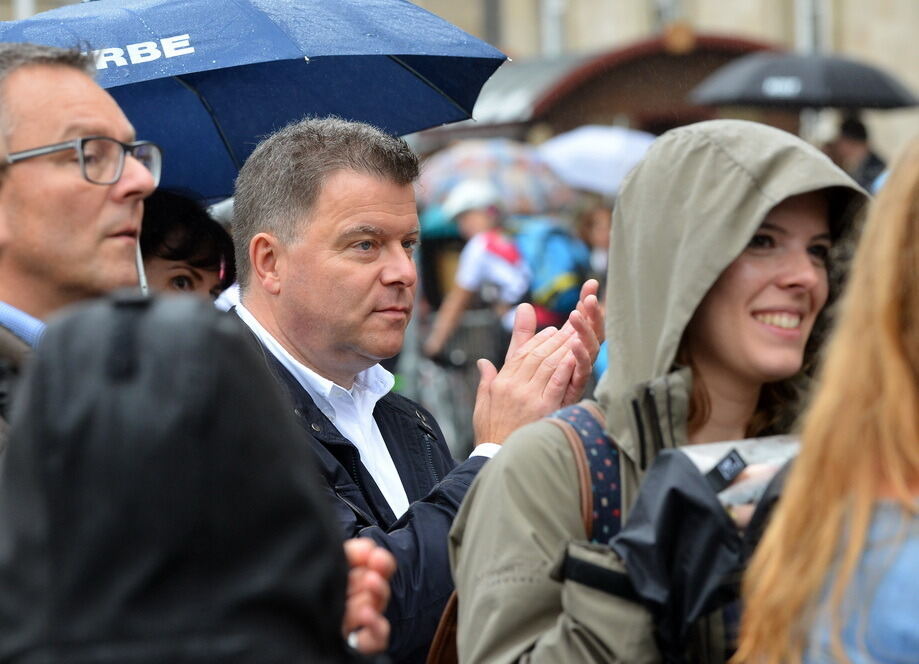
{"x":72,"y":182}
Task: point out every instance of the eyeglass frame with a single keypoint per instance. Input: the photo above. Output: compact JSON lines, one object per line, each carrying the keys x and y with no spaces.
{"x":77,"y":146}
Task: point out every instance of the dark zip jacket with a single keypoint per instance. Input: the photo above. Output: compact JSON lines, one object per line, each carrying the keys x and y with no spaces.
{"x":435,"y":486}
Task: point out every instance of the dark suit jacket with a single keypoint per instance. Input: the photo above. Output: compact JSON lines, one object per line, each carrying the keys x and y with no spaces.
{"x":13,"y":355}
{"x":435,"y":485}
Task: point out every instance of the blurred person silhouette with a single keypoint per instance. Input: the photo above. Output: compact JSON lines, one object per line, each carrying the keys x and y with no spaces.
{"x":490,"y":264}
{"x":184,"y":249}
{"x":148,"y":515}
{"x":719,"y":276}
{"x":591,"y":224}
{"x":852,"y":151}
{"x":72,"y":186}
{"x":834,"y":578}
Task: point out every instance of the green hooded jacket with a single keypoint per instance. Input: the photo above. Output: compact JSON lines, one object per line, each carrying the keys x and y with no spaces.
{"x":683,"y":215}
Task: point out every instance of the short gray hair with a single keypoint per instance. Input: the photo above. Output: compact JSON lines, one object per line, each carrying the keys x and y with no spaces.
{"x":280,"y":182}
{"x":14,"y":56}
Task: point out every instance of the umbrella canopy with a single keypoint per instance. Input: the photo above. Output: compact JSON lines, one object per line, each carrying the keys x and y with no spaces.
{"x":787,"y":80}
{"x":595,"y":157}
{"x":526,"y":183}
{"x":206,"y":79}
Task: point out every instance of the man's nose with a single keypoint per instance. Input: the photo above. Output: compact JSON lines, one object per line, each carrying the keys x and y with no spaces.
{"x":136,"y":180}
{"x":399,"y":268}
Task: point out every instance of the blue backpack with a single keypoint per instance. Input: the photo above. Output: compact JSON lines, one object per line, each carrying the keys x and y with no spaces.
{"x":558,"y":261}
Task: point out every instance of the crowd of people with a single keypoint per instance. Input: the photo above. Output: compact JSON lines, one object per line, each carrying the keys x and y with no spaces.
{"x":180,"y":483}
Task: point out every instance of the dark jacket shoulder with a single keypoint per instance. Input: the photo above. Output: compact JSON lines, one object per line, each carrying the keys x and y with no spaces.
{"x":434,"y":483}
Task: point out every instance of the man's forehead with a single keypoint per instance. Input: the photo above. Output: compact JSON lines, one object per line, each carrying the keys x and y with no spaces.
{"x":62,"y":102}
{"x":348,"y":199}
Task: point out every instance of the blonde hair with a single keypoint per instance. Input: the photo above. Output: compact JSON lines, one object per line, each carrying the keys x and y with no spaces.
{"x":859,"y":439}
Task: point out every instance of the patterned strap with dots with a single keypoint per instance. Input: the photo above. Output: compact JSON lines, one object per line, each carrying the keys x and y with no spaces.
{"x":598,"y":460}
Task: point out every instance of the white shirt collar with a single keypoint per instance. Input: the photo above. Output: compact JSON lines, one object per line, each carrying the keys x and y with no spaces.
{"x":350,"y":411}
{"x":370,"y":385}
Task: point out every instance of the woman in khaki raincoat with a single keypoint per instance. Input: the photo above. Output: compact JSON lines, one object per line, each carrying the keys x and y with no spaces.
{"x":720,"y":270}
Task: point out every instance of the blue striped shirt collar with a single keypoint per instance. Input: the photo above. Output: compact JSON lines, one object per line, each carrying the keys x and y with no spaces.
{"x":26,"y":327}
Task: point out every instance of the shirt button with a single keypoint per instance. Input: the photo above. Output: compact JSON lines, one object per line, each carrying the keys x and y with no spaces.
{"x":316,"y":427}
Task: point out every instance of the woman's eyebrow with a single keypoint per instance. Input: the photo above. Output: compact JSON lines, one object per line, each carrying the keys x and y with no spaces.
{"x":196,"y":275}
{"x":781,"y":231}
{"x":772,"y":227}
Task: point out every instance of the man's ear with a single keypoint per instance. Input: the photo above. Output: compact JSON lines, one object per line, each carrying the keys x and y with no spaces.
{"x":266,"y":258}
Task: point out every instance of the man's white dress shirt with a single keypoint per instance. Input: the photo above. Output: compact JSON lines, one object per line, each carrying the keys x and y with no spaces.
{"x":351,"y":411}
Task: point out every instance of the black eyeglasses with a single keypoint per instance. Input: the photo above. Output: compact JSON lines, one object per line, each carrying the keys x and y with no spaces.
{"x":101,"y":158}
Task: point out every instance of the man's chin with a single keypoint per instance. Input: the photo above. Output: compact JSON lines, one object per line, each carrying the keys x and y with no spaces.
{"x":120,"y":281}
{"x":385,"y":349}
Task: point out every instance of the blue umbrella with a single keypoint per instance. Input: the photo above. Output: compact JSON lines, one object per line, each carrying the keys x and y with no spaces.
{"x":206,"y":79}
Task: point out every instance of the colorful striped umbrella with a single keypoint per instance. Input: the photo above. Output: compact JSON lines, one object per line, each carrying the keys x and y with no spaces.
{"x":527,"y":184}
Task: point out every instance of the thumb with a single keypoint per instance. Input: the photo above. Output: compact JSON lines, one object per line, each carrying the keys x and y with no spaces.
{"x":481,"y":415}
{"x":524,"y":328}
{"x":487,"y":373}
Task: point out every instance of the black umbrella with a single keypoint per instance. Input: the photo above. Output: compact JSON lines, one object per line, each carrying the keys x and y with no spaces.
{"x":793,"y":81}
{"x":681,"y":550}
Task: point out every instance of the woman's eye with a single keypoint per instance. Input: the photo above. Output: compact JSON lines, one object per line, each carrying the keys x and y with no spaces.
{"x":181,"y":283}
{"x":761,"y":241}
{"x":821,"y":252}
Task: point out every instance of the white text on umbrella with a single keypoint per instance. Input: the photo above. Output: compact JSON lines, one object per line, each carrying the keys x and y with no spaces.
{"x":143,"y":51}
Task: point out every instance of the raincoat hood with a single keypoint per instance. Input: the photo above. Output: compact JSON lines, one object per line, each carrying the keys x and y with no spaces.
{"x":157,"y":503}
{"x":683,"y":215}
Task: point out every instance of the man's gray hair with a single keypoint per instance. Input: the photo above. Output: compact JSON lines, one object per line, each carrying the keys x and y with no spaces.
{"x":280,"y":182}
{"x":13,"y":56}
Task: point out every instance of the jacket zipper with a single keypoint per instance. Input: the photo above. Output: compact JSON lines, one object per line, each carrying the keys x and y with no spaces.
{"x":354,"y":474}
{"x":357,"y":510}
{"x":428,"y":435}
{"x":430,"y":455}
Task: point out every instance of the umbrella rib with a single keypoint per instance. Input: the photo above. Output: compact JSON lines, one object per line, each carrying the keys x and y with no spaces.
{"x":210,"y":112}
{"x":424,"y":79}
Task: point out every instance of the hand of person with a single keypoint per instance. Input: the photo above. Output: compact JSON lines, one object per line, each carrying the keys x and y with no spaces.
{"x":371,"y":567}
{"x":587,"y":322}
{"x":741,"y":514}
{"x":533,"y":381}
{"x":754,"y":473}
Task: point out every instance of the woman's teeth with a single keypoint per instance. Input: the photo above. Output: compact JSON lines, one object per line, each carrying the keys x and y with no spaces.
{"x":784,"y":321}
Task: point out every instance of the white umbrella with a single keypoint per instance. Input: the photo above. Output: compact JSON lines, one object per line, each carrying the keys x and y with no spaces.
{"x":595,"y":157}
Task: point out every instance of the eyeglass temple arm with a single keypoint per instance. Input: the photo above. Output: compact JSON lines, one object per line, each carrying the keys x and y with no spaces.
{"x":13,"y":157}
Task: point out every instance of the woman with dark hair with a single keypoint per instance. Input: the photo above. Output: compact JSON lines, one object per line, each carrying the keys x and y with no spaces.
{"x":718,"y":282}
{"x":184,"y":249}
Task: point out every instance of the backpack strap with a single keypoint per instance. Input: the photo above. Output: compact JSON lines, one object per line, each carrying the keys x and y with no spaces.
{"x":443,"y":647}
{"x":597,"y":459}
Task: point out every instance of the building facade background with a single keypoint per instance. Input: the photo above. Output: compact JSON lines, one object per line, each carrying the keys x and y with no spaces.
{"x":878,"y":32}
